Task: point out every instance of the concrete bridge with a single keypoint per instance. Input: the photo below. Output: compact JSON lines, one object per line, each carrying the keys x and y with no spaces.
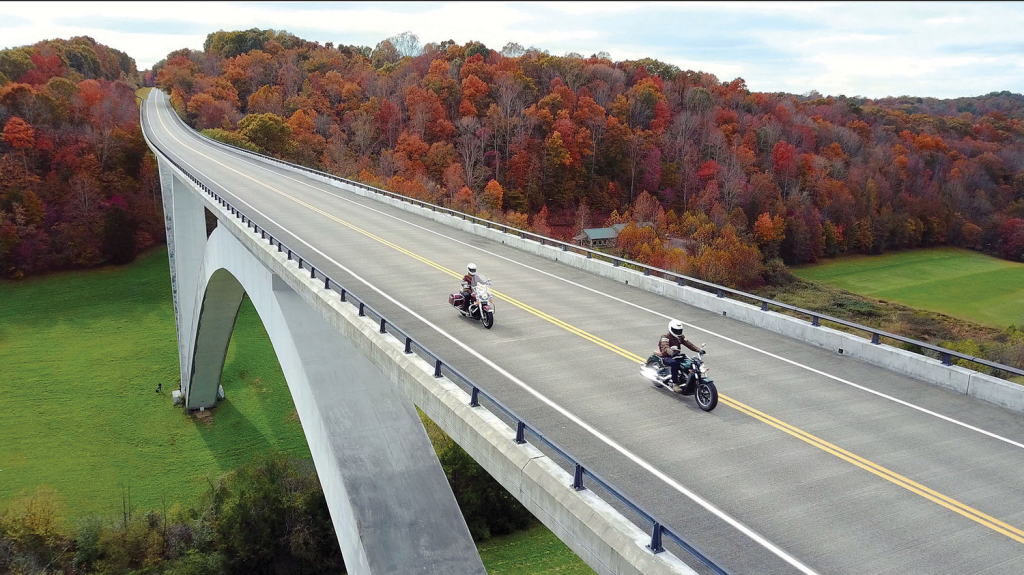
{"x":869,"y":459}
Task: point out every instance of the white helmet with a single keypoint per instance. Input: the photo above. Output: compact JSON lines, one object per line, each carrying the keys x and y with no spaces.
{"x":472,"y":269}
{"x":675,"y":327}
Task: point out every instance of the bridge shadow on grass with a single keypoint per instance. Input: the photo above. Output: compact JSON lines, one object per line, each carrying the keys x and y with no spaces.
{"x":231,"y":438}
{"x":258,"y":414}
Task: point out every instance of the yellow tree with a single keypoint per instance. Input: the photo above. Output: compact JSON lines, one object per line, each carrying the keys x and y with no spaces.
{"x":492,"y":196}
{"x":769,"y":233}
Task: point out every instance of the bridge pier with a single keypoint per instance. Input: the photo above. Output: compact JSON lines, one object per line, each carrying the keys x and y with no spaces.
{"x":185,"y":225}
{"x":390,"y":502}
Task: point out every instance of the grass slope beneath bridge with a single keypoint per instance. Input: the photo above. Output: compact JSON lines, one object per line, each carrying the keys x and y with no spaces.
{"x":82,"y":354}
{"x":957,"y":282}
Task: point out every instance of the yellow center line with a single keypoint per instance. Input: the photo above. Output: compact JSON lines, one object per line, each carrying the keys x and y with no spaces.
{"x":869,"y":466}
{"x":887,"y":474}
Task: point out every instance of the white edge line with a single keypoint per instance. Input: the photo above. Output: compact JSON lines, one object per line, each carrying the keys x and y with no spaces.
{"x":607,"y":440}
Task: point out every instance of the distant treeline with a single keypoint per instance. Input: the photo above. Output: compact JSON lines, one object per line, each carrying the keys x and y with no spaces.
{"x":78,"y":187}
{"x":559,"y":143}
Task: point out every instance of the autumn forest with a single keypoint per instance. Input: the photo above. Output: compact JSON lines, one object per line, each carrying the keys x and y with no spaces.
{"x":709,"y":178}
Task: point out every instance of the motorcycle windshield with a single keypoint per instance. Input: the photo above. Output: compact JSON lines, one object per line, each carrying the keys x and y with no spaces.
{"x":481,"y":279}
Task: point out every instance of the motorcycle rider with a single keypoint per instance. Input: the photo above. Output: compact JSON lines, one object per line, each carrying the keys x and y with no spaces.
{"x":468,"y":283}
{"x":670,"y":352}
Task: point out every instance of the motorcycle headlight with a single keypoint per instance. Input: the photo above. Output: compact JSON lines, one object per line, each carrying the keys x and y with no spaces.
{"x":703,"y":369}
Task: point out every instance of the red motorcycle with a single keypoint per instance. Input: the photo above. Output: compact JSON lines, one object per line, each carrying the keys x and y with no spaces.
{"x":481,"y":306}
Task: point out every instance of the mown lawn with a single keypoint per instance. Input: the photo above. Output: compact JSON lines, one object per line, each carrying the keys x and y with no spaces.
{"x":82,"y":354}
{"x":536,"y":550}
{"x":957,"y":282}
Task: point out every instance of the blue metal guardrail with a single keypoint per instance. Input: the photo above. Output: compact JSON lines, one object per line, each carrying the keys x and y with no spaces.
{"x":442,"y":369}
{"x":944,"y":354}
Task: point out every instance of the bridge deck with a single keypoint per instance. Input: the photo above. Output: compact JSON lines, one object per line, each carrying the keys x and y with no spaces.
{"x":841,"y":479}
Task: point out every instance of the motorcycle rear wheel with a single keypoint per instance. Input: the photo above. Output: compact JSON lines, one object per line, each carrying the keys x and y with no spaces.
{"x":488,"y":319}
{"x":706,"y":395}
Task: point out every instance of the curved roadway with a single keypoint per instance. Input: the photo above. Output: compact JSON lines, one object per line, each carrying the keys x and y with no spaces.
{"x":812,"y":462}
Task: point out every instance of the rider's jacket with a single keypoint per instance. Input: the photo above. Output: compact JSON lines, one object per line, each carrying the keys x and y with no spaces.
{"x":468,"y":282}
{"x":668,"y":341}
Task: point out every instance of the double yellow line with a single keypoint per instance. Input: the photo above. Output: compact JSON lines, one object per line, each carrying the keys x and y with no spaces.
{"x":887,"y":474}
{"x":869,"y":466}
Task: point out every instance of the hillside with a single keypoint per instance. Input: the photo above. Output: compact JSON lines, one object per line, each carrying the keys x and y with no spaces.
{"x":78,"y":187}
{"x":521,"y":135}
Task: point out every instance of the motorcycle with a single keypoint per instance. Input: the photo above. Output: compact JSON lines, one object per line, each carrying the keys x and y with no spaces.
{"x":697,"y":383}
{"x":481,"y":304}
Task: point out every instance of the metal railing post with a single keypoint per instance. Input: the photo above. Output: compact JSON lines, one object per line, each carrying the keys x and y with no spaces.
{"x":656,"y":546}
{"x":577,"y":478}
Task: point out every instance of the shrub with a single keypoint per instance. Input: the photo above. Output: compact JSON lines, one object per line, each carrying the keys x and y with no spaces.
{"x":486,"y":506}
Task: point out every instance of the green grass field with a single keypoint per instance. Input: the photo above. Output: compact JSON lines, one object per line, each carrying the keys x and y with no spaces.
{"x":82,"y":354}
{"x":534,"y":551}
{"x":956,"y":282}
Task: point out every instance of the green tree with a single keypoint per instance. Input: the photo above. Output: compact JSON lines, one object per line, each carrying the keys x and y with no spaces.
{"x":269,"y":132}
{"x":118,"y":236}
{"x":233,"y":138}
{"x":15,"y":62}
{"x":486,"y":506}
{"x":269,"y":513}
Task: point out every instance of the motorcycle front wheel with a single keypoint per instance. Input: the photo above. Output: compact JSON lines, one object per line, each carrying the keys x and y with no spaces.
{"x":488,"y":321}
{"x":707,"y":395}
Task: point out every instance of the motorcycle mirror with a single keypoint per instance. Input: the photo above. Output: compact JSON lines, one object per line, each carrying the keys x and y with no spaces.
{"x":703,"y":345}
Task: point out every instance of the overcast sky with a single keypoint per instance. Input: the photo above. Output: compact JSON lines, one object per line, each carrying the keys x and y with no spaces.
{"x":869,"y":49}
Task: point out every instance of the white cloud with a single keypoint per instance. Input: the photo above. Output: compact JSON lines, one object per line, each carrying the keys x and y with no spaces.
{"x":944,"y":20}
{"x":841,"y":39}
{"x":853,"y":48}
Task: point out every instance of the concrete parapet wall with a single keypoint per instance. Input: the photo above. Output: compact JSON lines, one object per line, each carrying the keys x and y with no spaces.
{"x":962,"y":380}
{"x":593,"y":529}
{"x":995,"y":390}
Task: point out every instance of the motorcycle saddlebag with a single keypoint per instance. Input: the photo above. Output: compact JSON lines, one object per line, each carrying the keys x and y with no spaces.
{"x":455,"y":299}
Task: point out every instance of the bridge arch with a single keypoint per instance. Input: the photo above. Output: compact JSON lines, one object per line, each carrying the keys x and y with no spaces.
{"x":390,"y":501}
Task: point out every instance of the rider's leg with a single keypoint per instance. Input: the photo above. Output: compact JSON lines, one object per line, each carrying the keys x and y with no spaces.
{"x":673,"y":363}
{"x":685,"y":368}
